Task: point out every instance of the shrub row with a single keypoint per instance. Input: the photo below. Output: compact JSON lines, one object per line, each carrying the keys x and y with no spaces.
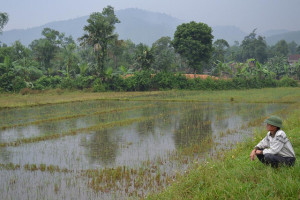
{"x":143,"y":81}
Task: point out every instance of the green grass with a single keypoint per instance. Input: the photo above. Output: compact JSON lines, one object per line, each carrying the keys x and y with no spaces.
{"x":266,"y":95}
{"x":234,"y":176}
{"x":9,"y":100}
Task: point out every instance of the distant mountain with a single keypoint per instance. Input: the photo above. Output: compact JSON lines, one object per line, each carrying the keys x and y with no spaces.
{"x":287,"y":36}
{"x":137,"y":25}
{"x":144,"y":26}
{"x":26,"y":36}
{"x":270,"y":33}
{"x":228,"y":33}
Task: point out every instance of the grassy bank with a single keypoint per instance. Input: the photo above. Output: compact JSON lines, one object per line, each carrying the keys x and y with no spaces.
{"x":9,"y":100}
{"x":234,"y":176}
{"x":266,"y":95}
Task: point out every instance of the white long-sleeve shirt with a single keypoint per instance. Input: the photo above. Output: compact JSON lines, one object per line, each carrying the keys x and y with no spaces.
{"x":279,"y":144}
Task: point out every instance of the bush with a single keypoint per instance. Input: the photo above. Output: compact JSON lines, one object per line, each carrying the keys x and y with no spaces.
{"x":46,"y":82}
{"x":117,"y":83}
{"x":141,"y":81}
{"x":34,"y":73}
{"x":224,"y":84}
{"x":6,"y":77}
{"x":163,"y":80}
{"x":269,"y":82}
{"x":181,"y":82}
{"x":82,"y":82}
{"x":18,"y":83}
{"x":42,"y":83}
{"x":239,"y":83}
{"x":98,"y":86}
{"x":67,"y":83}
{"x":287,"y":82}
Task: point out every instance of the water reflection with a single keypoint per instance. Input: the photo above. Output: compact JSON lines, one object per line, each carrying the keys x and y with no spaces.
{"x":193,"y":127}
{"x":29,"y":114}
{"x":102,"y":148}
{"x":172,"y":126}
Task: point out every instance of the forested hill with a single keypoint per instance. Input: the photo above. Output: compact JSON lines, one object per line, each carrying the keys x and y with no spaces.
{"x":136,"y":25}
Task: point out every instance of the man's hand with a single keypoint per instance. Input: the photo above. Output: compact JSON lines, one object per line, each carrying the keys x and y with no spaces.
{"x":253,"y":154}
{"x":259,"y":152}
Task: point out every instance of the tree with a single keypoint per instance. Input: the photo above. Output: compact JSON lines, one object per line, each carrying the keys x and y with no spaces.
{"x":44,"y":49}
{"x":292,"y":47}
{"x":99,"y":32}
{"x":278,"y":65}
{"x":3,"y":20}
{"x":115,"y":51}
{"x":234,"y":52}
{"x":281,"y":48}
{"x":19,"y":51}
{"x":143,"y":56}
{"x":253,"y":47}
{"x":164,"y":54}
{"x":298,"y":49}
{"x":68,"y":57}
{"x":219,"y":48}
{"x":194,"y":42}
{"x":128,"y":56}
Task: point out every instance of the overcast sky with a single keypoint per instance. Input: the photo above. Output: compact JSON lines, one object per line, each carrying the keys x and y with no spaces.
{"x":245,"y":14}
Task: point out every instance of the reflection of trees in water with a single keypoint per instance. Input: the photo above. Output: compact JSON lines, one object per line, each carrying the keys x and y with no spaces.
{"x":249,"y":111}
{"x":148,"y":126}
{"x":194,"y":126}
{"x":52,"y":127}
{"x":102,"y":147}
{"x":4,"y":154}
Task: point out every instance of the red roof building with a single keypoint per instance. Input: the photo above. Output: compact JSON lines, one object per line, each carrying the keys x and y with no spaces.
{"x":293,"y":58}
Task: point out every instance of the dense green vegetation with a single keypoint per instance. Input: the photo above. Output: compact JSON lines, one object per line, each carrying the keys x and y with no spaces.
{"x":102,"y":62}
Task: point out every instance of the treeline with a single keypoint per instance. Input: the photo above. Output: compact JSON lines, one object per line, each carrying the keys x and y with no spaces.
{"x":102,"y":62}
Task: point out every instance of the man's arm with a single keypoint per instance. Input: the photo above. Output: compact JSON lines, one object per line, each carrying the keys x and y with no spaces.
{"x":254,"y":152}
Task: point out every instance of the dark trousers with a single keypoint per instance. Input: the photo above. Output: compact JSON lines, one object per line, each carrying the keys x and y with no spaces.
{"x":275,"y":160}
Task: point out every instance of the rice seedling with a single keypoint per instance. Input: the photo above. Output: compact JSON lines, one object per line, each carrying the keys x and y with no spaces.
{"x":139,"y":154}
{"x":75,"y":116}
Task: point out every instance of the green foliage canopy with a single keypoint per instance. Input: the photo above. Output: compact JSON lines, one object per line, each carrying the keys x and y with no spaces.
{"x":3,"y":20}
{"x":164,"y":54}
{"x":254,"y":47}
{"x":99,"y":32}
{"x":194,"y":42}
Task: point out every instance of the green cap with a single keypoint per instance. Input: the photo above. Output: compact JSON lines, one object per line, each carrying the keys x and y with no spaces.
{"x":275,"y":121}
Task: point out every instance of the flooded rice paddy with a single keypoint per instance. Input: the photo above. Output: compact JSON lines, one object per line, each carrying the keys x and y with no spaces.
{"x":114,"y":149}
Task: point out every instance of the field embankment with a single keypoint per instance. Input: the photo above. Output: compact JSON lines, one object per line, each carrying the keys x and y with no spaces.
{"x":266,"y":95}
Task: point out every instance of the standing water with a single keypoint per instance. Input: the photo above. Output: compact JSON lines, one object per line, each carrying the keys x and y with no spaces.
{"x":113,"y":149}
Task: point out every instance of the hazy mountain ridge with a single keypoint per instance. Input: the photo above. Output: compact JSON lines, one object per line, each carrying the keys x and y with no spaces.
{"x":141,"y":26}
{"x":287,"y":36}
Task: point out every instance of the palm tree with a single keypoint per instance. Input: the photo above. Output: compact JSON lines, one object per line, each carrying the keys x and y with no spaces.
{"x":99,"y":32}
{"x":69,"y":56}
